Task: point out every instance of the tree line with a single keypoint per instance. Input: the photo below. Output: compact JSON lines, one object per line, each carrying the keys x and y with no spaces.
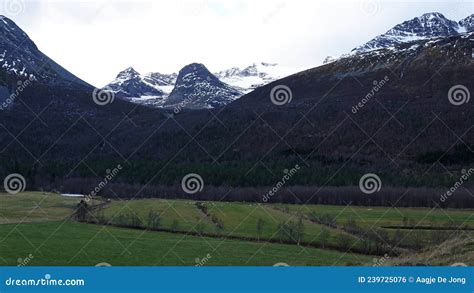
{"x":387,"y":196}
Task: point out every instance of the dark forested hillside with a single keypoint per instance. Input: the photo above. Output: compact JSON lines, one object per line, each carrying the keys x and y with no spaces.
{"x":386,"y":111}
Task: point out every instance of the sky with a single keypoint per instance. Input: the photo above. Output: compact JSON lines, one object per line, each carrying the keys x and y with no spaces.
{"x":96,"y":39}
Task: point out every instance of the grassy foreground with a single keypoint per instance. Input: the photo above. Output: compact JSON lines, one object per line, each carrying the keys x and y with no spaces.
{"x":357,"y":228}
{"x":238,"y":219}
{"x":39,"y":224}
{"x":35,"y":207}
{"x":69,"y":243}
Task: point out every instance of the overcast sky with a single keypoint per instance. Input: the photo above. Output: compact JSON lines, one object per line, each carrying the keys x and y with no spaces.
{"x":97,"y":39}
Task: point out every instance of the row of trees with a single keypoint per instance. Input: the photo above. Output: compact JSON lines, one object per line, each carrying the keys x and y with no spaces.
{"x":218,"y":223}
{"x":387,"y":196}
{"x":367,"y":240}
{"x":153,"y":221}
{"x":291,"y":231}
{"x":324,"y":219}
{"x":52,"y":174}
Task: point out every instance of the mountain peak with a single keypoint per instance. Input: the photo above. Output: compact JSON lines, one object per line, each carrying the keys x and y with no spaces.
{"x":193,"y":67}
{"x":431,"y":15}
{"x":196,"y":87}
{"x":21,"y":58}
{"x":431,"y":24}
{"x":130,"y":69}
{"x":13,"y":34}
{"x":129,"y":84}
{"x":426,"y":26}
{"x":128,"y":72}
{"x":467,"y":23}
{"x":196,"y":72}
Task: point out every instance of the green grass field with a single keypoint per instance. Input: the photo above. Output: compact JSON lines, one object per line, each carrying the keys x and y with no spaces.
{"x":35,"y":207}
{"x":239,"y":219}
{"x":40,"y":224}
{"x":68,"y":243}
{"x":183,"y":212}
{"x":381,"y":216}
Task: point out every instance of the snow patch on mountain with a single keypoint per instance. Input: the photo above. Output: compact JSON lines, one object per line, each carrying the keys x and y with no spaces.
{"x":253,"y":76}
{"x":153,"y":89}
{"x":21,"y":59}
{"x":427,"y":26}
{"x":197,"y":88}
{"x":467,"y":24}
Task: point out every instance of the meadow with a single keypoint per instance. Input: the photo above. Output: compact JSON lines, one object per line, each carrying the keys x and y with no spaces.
{"x":44,"y":229}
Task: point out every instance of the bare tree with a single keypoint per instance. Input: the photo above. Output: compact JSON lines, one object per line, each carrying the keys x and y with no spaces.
{"x":82,"y":210}
{"x":259,"y":227}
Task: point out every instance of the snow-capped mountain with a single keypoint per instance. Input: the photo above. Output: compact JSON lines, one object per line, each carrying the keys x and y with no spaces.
{"x":427,"y":26}
{"x":129,"y":83}
{"x":21,"y":59}
{"x":153,"y":88}
{"x":164,"y":82}
{"x":150,"y":89}
{"x":198,"y":88}
{"x":253,"y":76}
{"x":467,"y":23}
